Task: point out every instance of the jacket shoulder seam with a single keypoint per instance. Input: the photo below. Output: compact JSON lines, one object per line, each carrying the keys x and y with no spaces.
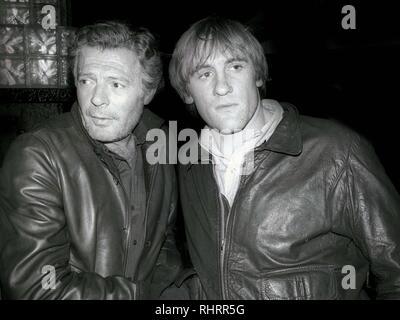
{"x":340,"y":174}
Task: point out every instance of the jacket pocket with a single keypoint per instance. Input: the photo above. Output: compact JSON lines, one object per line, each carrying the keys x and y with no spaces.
{"x":316,"y":282}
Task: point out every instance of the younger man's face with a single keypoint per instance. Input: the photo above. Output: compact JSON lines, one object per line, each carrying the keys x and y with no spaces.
{"x":225,"y":91}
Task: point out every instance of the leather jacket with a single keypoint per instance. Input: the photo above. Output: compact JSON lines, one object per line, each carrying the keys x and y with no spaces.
{"x":62,"y":205}
{"x":314,"y":218}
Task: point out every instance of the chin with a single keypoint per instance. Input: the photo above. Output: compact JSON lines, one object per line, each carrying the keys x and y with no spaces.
{"x":229,"y":128}
{"x":104,"y":136}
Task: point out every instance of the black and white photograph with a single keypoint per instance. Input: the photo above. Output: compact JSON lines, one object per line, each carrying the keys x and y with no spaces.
{"x":217,"y":152}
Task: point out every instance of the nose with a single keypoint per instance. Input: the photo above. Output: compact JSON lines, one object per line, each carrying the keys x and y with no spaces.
{"x":99,"y":97}
{"x":222,"y":86}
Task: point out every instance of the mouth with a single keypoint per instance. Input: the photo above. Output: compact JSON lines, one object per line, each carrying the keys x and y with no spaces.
{"x":225,"y":106}
{"x":101,"y":121}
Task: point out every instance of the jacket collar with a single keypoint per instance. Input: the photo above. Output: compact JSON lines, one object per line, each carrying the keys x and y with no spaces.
{"x":287,"y":136}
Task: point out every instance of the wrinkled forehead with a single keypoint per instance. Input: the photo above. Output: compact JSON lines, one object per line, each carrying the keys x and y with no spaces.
{"x":207,"y":50}
{"x":121,"y":60}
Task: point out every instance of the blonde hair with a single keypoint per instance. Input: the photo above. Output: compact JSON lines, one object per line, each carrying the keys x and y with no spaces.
{"x":207,"y":37}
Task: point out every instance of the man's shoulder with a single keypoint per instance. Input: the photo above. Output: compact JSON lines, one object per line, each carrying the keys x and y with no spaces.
{"x":55,"y":129}
{"x":332,"y":138}
{"x":56,"y":124}
{"x":329,"y":130}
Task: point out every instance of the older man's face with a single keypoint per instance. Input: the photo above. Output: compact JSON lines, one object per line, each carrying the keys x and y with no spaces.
{"x":110,"y":92}
{"x":225,"y":91}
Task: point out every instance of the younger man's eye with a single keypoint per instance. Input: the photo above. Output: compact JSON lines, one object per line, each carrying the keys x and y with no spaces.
{"x":205,"y":75}
{"x":237,"y":66}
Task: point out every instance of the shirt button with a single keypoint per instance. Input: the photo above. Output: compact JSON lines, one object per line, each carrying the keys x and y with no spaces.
{"x":132,"y":207}
{"x":135,"y":242}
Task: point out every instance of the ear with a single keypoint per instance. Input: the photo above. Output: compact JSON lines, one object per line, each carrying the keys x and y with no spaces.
{"x":148,"y":96}
{"x":188,"y":99}
{"x":259,"y":83}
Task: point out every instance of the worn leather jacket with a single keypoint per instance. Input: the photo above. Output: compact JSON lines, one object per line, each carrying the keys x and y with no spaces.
{"x":315,"y":217}
{"x":62,"y":205}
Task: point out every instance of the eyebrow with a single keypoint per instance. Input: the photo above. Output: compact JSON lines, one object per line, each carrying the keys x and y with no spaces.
{"x":230,"y":60}
{"x":121,"y":78}
{"x":85,"y":74}
{"x":91,"y":75}
{"x":237,"y":59}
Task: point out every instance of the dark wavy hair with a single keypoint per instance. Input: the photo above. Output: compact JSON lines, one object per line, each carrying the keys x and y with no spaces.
{"x":113,"y":35}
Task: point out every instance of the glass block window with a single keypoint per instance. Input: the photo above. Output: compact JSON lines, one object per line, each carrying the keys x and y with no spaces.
{"x":34,"y":42}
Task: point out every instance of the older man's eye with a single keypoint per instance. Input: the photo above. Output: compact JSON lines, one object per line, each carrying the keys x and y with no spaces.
{"x":118,"y":85}
{"x":83,"y":81}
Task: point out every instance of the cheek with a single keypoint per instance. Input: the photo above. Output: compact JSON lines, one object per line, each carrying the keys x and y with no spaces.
{"x":199,"y":92}
{"x":203,"y":101}
{"x":129,"y":109}
{"x":83,"y":102}
{"x":83,"y":95}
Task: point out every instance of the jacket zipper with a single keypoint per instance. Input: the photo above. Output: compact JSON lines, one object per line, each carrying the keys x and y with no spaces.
{"x":224,"y":231}
{"x":222,"y":244}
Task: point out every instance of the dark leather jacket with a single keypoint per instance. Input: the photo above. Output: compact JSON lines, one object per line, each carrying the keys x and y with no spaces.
{"x":62,"y":205}
{"x":317,"y":202}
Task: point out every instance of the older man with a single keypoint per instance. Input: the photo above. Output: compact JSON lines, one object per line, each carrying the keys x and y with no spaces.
{"x":84,"y":215}
{"x":290,"y":207}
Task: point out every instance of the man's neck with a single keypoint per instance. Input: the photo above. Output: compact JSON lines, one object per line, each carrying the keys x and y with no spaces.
{"x":125,"y":148}
{"x":228,"y":143}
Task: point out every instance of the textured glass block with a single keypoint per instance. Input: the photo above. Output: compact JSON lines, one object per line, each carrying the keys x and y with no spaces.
{"x":12,"y":72}
{"x":11,"y":40}
{"x":14,"y":14}
{"x":66,"y":37}
{"x":41,"y":41}
{"x":43,"y":72}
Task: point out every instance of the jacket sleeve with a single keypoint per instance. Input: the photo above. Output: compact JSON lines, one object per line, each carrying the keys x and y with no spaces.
{"x":34,"y":240}
{"x":373,"y":213}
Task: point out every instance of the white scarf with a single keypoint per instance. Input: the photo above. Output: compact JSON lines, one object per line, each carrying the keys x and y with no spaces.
{"x":230,"y":151}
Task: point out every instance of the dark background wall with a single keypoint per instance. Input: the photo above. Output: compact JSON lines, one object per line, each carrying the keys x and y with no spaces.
{"x":348,"y":75}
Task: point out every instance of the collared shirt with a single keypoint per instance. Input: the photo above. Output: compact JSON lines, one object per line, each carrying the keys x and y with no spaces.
{"x":131,"y":172}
